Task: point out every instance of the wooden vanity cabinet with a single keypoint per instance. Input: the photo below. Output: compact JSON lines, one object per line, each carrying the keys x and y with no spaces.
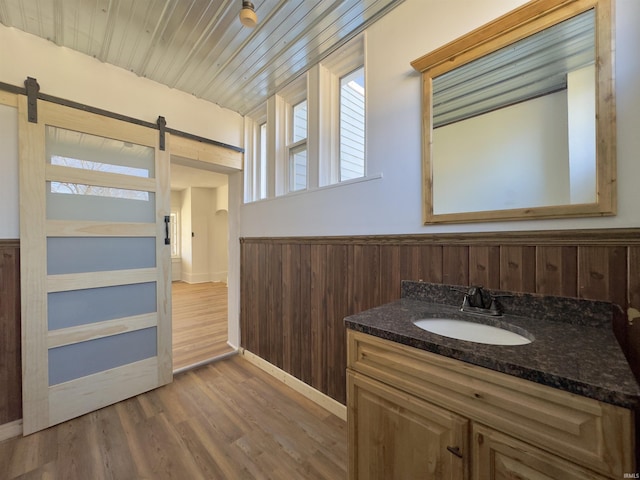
{"x":498,"y":457}
{"x":400,"y":436}
{"x":415,"y":414}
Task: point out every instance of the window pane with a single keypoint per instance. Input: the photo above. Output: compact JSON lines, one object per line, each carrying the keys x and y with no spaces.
{"x":352,"y":125}
{"x":90,"y":152}
{"x":262,"y":157}
{"x":299,"y":168}
{"x":299,"y":121}
{"x":97,"y":191}
{"x":114,"y":208}
{"x":99,"y":166}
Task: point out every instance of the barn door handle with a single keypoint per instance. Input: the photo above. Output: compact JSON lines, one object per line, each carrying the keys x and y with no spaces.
{"x":456,"y":451}
{"x":167,"y":240}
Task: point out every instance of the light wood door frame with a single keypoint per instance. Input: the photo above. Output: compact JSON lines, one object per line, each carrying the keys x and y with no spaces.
{"x":45,"y":405}
{"x":224,"y":161}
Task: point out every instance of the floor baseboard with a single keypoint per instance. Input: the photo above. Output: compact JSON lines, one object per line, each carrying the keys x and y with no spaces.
{"x":205,"y":362}
{"x":10,"y":430}
{"x":299,"y":386}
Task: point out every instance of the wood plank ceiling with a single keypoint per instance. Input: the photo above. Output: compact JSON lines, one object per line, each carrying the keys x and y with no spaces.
{"x":200,"y":46}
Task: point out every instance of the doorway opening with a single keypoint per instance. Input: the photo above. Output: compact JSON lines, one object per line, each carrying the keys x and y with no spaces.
{"x":199,"y":258}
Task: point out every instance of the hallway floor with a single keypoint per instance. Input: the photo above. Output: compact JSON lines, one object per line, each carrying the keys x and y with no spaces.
{"x":199,"y":322}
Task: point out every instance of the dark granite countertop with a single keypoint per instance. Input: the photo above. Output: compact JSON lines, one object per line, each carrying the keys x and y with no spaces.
{"x":573,"y":347}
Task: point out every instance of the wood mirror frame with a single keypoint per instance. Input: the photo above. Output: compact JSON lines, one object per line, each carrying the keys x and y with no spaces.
{"x":520,"y":23}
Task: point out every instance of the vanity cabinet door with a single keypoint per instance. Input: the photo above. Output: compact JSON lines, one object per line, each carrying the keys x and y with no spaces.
{"x":499,"y":457}
{"x":394,"y":435}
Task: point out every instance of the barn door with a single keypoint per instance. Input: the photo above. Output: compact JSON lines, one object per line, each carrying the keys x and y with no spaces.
{"x":95,"y":270}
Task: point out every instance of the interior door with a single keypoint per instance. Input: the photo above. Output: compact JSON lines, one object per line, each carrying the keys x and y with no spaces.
{"x":95,"y":270}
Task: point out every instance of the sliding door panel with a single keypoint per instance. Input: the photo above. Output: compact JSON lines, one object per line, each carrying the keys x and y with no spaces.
{"x":97,"y":326}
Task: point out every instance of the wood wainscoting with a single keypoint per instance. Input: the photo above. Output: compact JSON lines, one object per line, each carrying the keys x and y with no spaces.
{"x":295,"y":292}
{"x":10,"y":341}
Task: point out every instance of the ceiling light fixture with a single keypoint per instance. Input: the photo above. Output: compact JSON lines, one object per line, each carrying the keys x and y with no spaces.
{"x":248,"y":16}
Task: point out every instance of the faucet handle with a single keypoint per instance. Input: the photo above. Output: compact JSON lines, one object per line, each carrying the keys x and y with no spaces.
{"x":478,"y":300}
{"x":474,"y":296}
{"x":477,"y":296}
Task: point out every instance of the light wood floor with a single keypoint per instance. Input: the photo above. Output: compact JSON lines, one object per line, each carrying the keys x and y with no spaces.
{"x":227,"y":420}
{"x":200,"y":329}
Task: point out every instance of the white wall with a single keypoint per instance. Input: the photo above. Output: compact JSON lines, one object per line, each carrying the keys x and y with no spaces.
{"x":517,"y":170}
{"x":201,"y":199}
{"x":219,"y":235}
{"x":581,"y":94}
{"x":218,"y":260}
{"x":204,"y":255}
{"x":392,"y":204}
{"x":71,"y":75}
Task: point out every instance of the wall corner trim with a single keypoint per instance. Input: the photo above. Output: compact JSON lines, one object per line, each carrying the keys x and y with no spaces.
{"x":299,"y":386}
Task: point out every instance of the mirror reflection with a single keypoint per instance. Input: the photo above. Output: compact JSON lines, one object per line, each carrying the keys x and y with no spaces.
{"x":513,"y":131}
{"x":527,"y":116}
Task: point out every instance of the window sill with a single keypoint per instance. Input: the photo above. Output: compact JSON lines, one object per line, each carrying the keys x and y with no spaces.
{"x":369,"y":178}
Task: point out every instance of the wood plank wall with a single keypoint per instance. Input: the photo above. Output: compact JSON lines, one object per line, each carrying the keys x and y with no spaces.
{"x":10,"y":342}
{"x":295,"y":292}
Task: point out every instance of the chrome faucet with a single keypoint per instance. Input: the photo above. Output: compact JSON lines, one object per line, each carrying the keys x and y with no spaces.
{"x":477,"y":300}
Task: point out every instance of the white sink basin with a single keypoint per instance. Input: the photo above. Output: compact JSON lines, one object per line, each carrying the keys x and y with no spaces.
{"x":471,"y":331}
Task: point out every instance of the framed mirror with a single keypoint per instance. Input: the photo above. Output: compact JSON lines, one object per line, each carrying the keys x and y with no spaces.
{"x":519,"y":117}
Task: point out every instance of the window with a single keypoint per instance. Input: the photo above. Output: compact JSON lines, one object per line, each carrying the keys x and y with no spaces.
{"x":311,"y":133}
{"x":256,"y":158}
{"x":261,"y":173}
{"x":290,"y":109}
{"x":352,"y":125}
{"x":298,"y":148}
{"x":343,"y":74}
